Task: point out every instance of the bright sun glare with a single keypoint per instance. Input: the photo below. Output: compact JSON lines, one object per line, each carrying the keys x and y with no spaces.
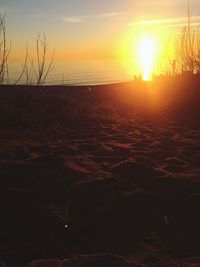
{"x":147,"y":55}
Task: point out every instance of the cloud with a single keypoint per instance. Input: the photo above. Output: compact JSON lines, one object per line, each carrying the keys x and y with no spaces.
{"x":170,"y":22}
{"x":78,"y":19}
{"x":72,"y":19}
{"x":110,"y":14}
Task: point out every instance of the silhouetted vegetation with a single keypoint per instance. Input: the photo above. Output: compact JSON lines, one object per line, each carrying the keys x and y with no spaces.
{"x":34,"y":71}
{"x":187,"y":54}
{"x":4,"y":51}
{"x":43,"y":69}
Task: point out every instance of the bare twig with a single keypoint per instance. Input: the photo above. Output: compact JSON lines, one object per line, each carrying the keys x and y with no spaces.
{"x":4,"y":50}
{"x":24,"y":66}
{"x":188,"y":47}
{"x":43,"y":69}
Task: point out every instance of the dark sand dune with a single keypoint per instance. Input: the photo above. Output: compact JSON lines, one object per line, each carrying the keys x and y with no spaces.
{"x":108,"y":185}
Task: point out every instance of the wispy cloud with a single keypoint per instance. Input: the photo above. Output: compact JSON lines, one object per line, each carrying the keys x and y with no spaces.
{"x":110,"y":14}
{"x":78,"y":19}
{"x":72,"y":19}
{"x":170,"y":22}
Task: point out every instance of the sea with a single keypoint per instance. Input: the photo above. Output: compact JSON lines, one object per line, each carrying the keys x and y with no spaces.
{"x":78,"y":72}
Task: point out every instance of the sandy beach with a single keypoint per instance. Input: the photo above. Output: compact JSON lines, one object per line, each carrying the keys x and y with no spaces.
{"x":111,"y":173}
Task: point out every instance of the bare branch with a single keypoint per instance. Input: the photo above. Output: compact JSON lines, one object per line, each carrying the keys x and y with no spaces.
{"x":4,"y":51}
{"x":43,"y":69}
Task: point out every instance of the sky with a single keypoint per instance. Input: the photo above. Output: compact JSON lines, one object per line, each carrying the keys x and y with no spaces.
{"x":90,"y":28}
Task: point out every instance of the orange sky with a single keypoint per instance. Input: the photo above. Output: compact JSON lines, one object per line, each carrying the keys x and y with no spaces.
{"x":90,"y":29}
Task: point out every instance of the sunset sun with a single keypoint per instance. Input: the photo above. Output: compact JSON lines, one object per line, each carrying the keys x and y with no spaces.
{"x":147,"y":50}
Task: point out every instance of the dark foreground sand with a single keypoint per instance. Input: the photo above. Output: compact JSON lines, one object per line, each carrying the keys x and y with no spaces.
{"x":91,"y":172}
